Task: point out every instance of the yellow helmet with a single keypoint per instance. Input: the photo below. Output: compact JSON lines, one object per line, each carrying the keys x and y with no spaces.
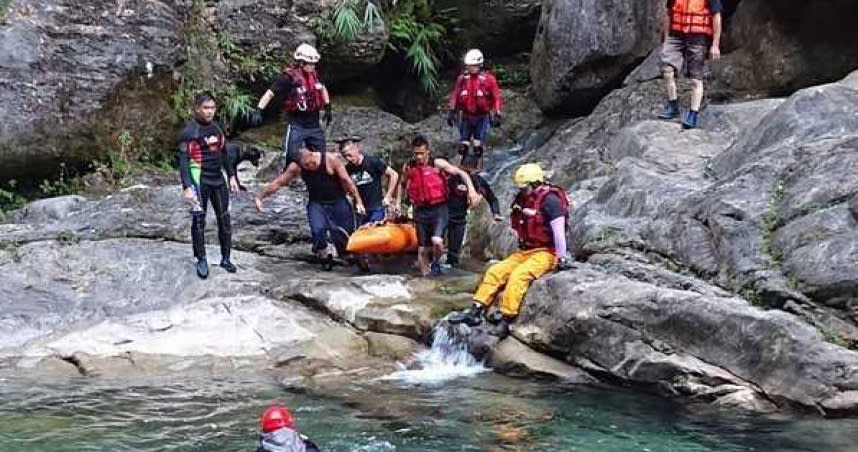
{"x":528,"y":174}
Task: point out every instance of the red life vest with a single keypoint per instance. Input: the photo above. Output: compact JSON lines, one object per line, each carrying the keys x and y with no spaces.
{"x":691,"y":16}
{"x":475,"y":93}
{"x":427,"y":185}
{"x":534,"y":231}
{"x":306,"y":97}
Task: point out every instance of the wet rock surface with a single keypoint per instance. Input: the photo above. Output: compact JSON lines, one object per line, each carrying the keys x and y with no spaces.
{"x":740,"y":233}
{"x":584,"y":49}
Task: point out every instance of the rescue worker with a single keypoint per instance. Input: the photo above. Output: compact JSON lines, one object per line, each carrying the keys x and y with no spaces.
{"x":328,"y":210}
{"x":539,"y":218}
{"x":425,"y":183}
{"x":305,"y":97}
{"x":692,"y":32}
{"x":279,"y":433}
{"x":475,"y":103}
{"x":457,"y":206}
{"x":367,"y":172}
{"x":202,"y":161}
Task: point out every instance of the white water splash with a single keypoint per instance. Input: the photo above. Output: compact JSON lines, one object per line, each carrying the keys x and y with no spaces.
{"x":447,"y":359}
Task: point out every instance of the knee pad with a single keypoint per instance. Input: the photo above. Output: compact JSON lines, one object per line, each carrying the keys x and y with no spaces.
{"x":438,"y":241}
{"x":668,"y":72}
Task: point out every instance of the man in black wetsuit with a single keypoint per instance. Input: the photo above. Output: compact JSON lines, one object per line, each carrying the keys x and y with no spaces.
{"x":457,"y":205}
{"x":305,"y":96}
{"x":202,"y":161}
{"x":328,"y":209}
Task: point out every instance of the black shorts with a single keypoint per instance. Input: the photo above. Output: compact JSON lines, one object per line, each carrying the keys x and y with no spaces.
{"x":431,"y":222}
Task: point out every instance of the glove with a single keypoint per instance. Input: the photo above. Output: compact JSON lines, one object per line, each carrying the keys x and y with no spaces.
{"x":496,"y":119}
{"x":328,"y":115}
{"x":254,"y":118}
{"x":452,"y":118}
{"x":563,"y":264}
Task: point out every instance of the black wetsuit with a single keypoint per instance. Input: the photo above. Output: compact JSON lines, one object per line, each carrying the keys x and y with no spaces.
{"x":202,"y":161}
{"x":457,"y":204}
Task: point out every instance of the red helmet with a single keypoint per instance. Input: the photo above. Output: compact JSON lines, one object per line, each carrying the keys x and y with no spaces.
{"x":276,"y":417}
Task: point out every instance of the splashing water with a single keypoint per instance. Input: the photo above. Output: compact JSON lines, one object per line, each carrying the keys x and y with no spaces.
{"x":448,"y":358}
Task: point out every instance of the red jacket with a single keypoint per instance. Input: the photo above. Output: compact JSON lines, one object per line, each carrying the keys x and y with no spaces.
{"x":535,"y":231}
{"x":476,"y":94}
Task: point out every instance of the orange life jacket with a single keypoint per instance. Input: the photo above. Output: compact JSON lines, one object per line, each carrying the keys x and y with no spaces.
{"x":306,"y":97}
{"x":427,"y":186}
{"x":691,"y":16}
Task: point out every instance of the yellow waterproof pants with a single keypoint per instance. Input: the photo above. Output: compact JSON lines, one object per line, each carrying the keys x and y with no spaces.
{"x":517,"y":271}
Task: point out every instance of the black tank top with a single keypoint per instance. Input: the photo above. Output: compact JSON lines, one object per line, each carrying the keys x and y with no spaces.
{"x":322,"y":186}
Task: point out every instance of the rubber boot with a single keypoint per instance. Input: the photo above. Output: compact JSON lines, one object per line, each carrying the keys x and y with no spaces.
{"x":672,"y":111}
{"x":471,"y":316}
{"x":202,"y":268}
{"x":690,"y":121}
{"x":501,"y":329}
{"x":227,"y":265}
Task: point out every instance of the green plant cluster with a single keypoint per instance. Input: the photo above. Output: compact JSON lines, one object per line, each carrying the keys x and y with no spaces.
{"x":418,"y":32}
{"x":770,"y":224}
{"x":511,"y":76}
{"x":9,"y":199}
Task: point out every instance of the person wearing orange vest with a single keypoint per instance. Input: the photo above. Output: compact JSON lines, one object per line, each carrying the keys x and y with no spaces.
{"x":538,"y":216}
{"x":425,"y":181}
{"x":692,"y":32}
{"x":305,"y":97}
{"x":475,"y":103}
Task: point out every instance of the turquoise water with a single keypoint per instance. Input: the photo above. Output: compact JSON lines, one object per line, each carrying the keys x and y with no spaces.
{"x":485,"y":412}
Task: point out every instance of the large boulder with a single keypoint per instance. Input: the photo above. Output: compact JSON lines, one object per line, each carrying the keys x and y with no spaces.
{"x":585,"y":48}
{"x":775,"y":48}
{"x":687,"y":343}
{"x":267,"y":31}
{"x":77,"y":75}
{"x":499,"y":28}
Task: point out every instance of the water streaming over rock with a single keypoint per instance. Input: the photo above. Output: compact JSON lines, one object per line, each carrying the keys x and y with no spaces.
{"x":448,"y":358}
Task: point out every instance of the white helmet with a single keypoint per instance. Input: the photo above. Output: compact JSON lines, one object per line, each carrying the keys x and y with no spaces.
{"x":307,"y":53}
{"x":474,"y":58}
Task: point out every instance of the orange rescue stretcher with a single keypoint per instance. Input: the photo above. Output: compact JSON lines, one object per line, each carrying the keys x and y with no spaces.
{"x":383,"y":238}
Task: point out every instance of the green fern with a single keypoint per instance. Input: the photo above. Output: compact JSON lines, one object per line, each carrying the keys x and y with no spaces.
{"x":347,"y":24}
{"x":234,"y":104}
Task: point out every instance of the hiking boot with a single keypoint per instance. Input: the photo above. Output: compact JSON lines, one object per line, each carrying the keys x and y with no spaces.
{"x":672,"y":111}
{"x":202,"y":268}
{"x":227,"y":265}
{"x":501,"y":329}
{"x":690,"y":121}
{"x":471,"y":316}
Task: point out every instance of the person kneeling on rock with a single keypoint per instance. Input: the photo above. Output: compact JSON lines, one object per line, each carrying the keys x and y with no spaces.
{"x":539,"y":218}
{"x":279,"y":433}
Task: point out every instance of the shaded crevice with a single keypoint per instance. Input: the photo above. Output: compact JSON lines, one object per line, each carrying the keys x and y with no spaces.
{"x":74,"y":361}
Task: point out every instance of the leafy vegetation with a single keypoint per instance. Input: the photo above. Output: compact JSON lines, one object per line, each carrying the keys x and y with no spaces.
{"x":9,"y":199}
{"x":770,"y":223}
{"x":418,"y":33}
{"x":511,"y":76}
{"x":4,"y":8}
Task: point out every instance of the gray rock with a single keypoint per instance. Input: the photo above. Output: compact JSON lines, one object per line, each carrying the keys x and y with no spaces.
{"x":513,"y":358}
{"x":499,"y":28}
{"x":76,"y":75}
{"x":53,"y":209}
{"x":584,"y":49}
{"x":773,"y":49}
{"x":391,"y":346}
{"x":643,"y":333}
